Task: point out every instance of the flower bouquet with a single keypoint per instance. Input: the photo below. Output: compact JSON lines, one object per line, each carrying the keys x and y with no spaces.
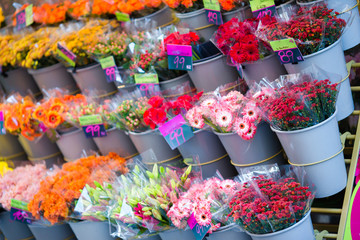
{"x":55,"y":201}
{"x":182,"y":6}
{"x":139,"y":9}
{"x":269,"y":203}
{"x":2,"y":18}
{"x":148,"y":200}
{"x":49,"y":13}
{"x":79,"y":9}
{"x":206,"y":202}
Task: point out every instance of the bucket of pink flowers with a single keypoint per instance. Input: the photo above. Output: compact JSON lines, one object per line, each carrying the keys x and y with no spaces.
{"x":236,"y":121}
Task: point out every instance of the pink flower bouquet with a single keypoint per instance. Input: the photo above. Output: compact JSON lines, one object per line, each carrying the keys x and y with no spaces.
{"x":206,"y":201}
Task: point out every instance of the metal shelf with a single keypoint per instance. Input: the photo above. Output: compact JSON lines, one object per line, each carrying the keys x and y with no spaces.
{"x":337,"y":231}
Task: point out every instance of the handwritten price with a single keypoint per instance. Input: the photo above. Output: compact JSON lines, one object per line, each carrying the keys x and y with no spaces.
{"x":179,"y":60}
{"x":266,"y":12}
{"x":21,"y":216}
{"x":175,"y":135}
{"x":286,"y":56}
{"x":21,"y":18}
{"x":110,"y":74}
{"x":212,"y":17}
{"x":92,"y":131}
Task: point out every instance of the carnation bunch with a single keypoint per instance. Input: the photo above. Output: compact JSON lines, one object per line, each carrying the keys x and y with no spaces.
{"x":229,"y":113}
{"x":22,"y":183}
{"x":266,"y":205}
{"x":238,"y":40}
{"x":298,"y":106}
{"x":206,"y":201}
{"x":55,"y":199}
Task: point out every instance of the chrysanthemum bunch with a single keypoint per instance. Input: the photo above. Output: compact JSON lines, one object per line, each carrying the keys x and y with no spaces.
{"x":229,"y":113}
{"x":184,"y":6}
{"x":206,"y":201}
{"x":266,"y":205}
{"x":298,"y":106}
{"x":237,"y":39}
{"x":139,"y":8}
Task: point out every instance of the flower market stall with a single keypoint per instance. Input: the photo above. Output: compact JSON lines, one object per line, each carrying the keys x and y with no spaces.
{"x":179,"y":119}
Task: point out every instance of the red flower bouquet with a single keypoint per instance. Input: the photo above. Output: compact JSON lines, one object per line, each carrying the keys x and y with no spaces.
{"x":266,"y":204}
{"x":237,"y":39}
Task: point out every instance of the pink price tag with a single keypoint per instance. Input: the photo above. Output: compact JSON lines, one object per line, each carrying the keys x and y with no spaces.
{"x":172,"y":125}
{"x":179,"y":50}
{"x":1,"y":116}
{"x":192,"y":221}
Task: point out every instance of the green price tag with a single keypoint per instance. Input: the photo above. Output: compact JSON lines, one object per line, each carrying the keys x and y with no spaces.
{"x":90,"y":120}
{"x":109,"y":67}
{"x":122,"y":17}
{"x":66,"y":54}
{"x":146,"y":78}
{"x":107,"y":62}
{"x":261,"y":4}
{"x":19,"y":204}
{"x":212,"y":4}
{"x":29,"y":15}
{"x":287,"y":51}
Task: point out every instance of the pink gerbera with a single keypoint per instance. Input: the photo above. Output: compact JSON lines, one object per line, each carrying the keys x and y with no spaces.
{"x":203,"y":218}
{"x":241,"y":126}
{"x":209,"y":103}
{"x":224,"y":118}
{"x":250,"y":112}
{"x":251,"y":133}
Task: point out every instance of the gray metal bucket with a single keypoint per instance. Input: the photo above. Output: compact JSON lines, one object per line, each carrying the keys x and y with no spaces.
{"x":19,"y":80}
{"x":54,"y":76}
{"x":92,"y":78}
{"x":269,"y":67}
{"x":178,"y":235}
{"x":54,"y":232}
{"x":87,"y":230}
{"x":207,"y":146}
{"x":10,"y":148}
{"x":241,"y":13}
{"x":14,"y":230}
{"x":41,"y":149}
{"x":73,"y":144}
{"x":176,"y":82}
{"x":229,"y":232}
{"x":197,"y":20}
{"x":209,"y":74}
{"x":265,"y":145}
{"x":116,"y":141}
{"x":163,"y":17}
{"x":153,"y":141}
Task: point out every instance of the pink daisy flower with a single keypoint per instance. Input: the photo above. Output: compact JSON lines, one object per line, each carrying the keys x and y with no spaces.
{"x":203,"y":218}
{"x":224,"y":118}
{"x":251,"y":133}
{"x":241,"y":126}
{"x":209,"y":102}
{"x":250,"y":112}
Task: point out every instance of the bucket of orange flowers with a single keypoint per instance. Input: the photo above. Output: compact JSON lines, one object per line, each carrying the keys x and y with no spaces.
{"x":87,"y":73}
{"x":231,"y":9}
{"x":55,"y":201}
{"x":21,"y":119}
{"x":51,"y":13}
{"x":10,"y":149}
{"x":46,"y":70}
{"x":14,"y":78}
{"x":143,"y":12}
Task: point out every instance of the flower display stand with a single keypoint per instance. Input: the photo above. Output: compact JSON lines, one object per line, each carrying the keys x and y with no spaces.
{"x":241,"y":13}
{"x":54,"y":232}
{"x":177,"y":235}
{"x":86,"y":230}
{"x":212,"y":156}
{"x":162,"y":18}
{"x":229,"y":232}
{"x":176,"y":82}
{"x":54,"y":76}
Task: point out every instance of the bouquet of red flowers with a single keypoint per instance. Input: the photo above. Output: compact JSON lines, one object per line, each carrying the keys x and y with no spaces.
{"x":267,"y":203}
{"x":238,"y":40}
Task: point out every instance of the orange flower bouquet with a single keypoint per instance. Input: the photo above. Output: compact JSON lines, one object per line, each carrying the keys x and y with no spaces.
{"x":230,"y":5}
{"x":2,"y":18}
{"x":18,"y":117}
{"x":79,"y":9}
{"x":104,"y":8}
{"x":139,"y":8}
{"x":55,"y":201}
{"x":51,"y":14}
{"x":184,"y":6}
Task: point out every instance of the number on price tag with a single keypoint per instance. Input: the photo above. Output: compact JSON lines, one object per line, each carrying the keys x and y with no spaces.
{"x":19,"y":211}
{"x":262,"y":8}
{"x":24,"y":17}
{"x":176,"y":132}
{"x":92,"y":126}
{"x":198,"y":231}
{"x":213,"y":13}
{"x":287,"y":51}
{"x":2,"y":129}
{"x":66,"y":54}
{"x":147,"y":83}
{"x":180,"y":57}
{"x":109,"y":67}
{"x":122,"y":17}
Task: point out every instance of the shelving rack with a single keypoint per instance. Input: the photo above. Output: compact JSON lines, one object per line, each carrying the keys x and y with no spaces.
{"x":353,"y":142}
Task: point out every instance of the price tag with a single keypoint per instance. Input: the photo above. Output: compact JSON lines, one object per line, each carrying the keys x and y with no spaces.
{"x":198,"y":231}
{"x":146,"y":78}
{"x":261,"y":8}
{"x":212,"y":8}
{"x":19,"y":211}
{"x":92,"y":126}
{"x":24,"y":17}
{"x":122,"y":17}
{"x":147,"y":83}
{"x":287,"y":51}
{"x":176,"y":132}
{"x":180,"y":57}
{"x":109,"y":67}
{"x":66,"y":54}
{"x":2,"y":129}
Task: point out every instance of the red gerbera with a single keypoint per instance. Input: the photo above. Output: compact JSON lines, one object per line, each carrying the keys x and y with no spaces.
{"x":250,"y":52}
{"x":236,"y":54}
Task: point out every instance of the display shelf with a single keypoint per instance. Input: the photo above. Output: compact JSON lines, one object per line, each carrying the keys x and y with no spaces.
{"x":337,"y":231}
